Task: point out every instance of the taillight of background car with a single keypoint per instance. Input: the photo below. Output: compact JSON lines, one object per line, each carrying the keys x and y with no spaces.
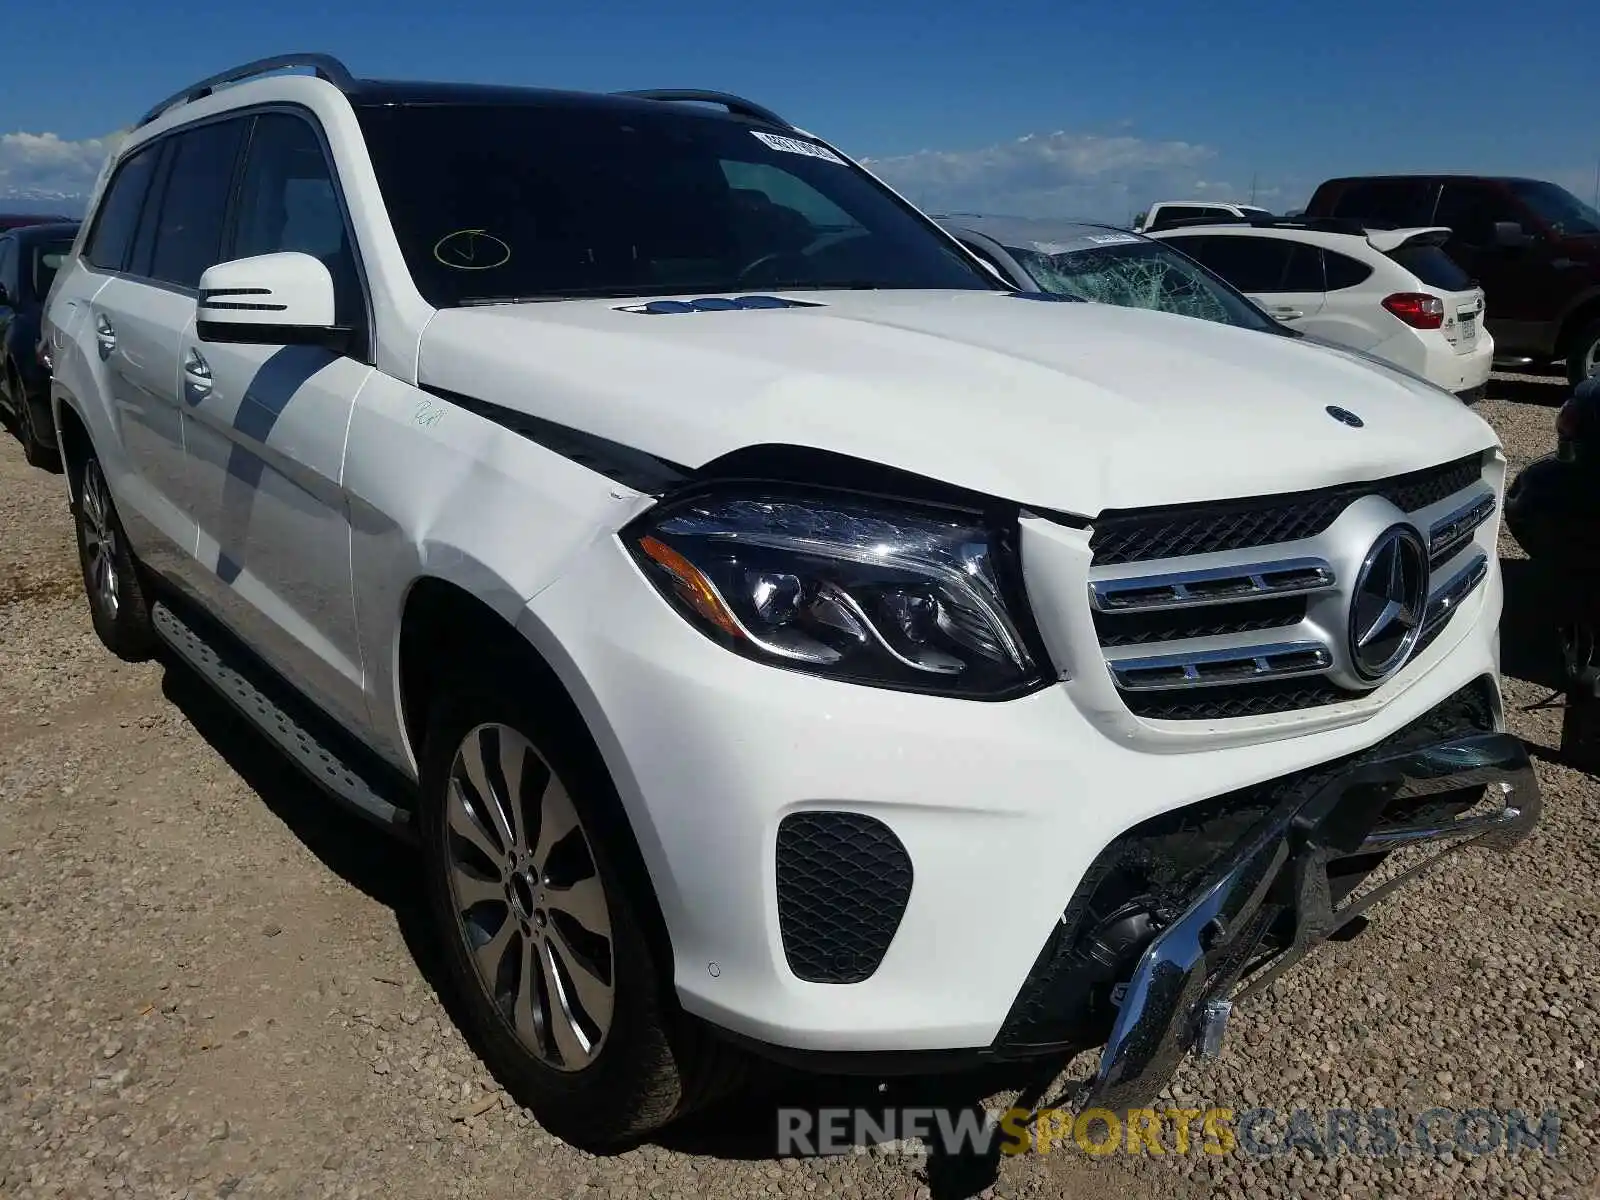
{"x":1416,"y":309}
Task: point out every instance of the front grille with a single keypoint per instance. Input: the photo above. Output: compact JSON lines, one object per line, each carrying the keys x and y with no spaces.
{"x":843,"y":883}
{"x":1252,"y":630}
{"x":1145,"y":534}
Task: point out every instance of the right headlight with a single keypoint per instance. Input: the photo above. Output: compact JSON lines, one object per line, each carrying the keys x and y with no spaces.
{"x":889,"y":596}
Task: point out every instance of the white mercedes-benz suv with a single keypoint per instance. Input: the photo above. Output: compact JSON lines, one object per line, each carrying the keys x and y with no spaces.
{"x":780,"y":636}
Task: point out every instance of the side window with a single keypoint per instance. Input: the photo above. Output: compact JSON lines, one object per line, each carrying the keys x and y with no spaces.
{"x":1251,"y":264}
{"x":144,"y":237}
{"x":1397,"y":203}
{"x":1304,"y":270}
{"x":1169,"y":215}
{"x":1344,"y":271}
{"x":194,"y":205}
{"x":288,"y":202}
{"x":1470,"y":211}
{"x":107,"y":246}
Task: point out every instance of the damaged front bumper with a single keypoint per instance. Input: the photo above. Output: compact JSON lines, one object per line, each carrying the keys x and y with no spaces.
{"x":1450,"y":781}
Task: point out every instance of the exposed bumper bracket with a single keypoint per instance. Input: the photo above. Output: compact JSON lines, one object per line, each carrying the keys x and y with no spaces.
{"x":1182,"y":990}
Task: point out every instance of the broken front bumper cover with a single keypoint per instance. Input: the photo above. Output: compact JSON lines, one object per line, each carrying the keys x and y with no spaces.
{"x":1218,"y":950}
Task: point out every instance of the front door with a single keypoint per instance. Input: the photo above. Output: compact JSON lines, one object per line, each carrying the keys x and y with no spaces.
{"x":266,"y":428}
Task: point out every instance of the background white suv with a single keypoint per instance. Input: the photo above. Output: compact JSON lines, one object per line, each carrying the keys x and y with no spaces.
{"x":1391,"y":293}
{"x":775,"y":632}
{"x":1165,"y":214}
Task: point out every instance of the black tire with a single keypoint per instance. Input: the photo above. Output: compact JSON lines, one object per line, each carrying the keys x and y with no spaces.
{"x":652,"y":1064}
{"x":34,"y":451}
{"x":1580,"y":661}
{"x":111,"y":577}
{"x":1584,"y":349}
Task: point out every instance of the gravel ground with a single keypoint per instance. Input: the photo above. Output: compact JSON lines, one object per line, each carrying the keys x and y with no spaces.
{"x":213,"y":985}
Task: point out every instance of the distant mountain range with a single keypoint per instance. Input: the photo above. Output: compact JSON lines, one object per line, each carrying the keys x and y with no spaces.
{"x":44,"y":200}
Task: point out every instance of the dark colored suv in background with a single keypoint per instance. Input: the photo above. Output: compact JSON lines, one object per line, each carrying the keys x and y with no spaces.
{"x":1532,"y":246}
{"x":29,"y":256}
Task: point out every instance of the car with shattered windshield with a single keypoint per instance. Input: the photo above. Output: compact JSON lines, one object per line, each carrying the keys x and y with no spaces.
{"x":1083,"y":260}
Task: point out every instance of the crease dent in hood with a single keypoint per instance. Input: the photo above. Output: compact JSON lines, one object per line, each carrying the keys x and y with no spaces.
{"x":1072,"y":407}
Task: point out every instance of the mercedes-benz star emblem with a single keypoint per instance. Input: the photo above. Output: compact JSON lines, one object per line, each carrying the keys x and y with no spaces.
{"x":1391,"y":596}
{"x":1345,"y":417}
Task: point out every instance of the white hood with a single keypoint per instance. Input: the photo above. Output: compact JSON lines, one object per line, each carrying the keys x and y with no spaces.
{"x":1075,"y":407}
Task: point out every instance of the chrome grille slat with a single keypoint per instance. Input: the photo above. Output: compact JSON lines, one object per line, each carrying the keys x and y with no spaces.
{"x":1218,"y":668}
{"x":1450,"y":533}
{"x":1216,"y":585}
{"x":1195,"y":635}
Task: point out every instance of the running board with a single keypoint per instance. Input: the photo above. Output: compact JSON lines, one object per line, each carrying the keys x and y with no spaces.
{"x":319,"y":761}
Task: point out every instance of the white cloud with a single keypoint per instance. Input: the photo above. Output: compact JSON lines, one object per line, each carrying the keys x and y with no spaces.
{"x":45,"y":168}
{"x":1058,"y":174}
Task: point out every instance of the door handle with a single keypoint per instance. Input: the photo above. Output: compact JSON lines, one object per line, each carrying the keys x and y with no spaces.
{"x":196,"y":375}
{"x":104,"y":335}
{"x":1286,"y":314}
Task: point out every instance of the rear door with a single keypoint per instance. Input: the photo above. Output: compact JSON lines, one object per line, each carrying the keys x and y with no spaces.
{"x":1352,"y":313}
{"x":129,"y":329}
{"x":1281,"y":275}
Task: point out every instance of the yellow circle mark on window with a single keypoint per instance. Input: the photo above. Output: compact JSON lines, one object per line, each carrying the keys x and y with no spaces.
{"x":471,"y":250}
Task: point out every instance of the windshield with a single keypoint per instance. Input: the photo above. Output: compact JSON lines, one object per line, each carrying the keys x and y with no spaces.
{"x":1143,"y":275}
{"x":47,"y":260}
{"x":564,"y":200}
{"x":1557,"y":207}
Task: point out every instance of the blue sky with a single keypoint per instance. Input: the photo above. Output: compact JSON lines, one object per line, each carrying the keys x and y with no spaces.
{"x":1031,"y":108}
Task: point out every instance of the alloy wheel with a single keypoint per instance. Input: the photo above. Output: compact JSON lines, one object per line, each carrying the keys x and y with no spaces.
{"x":528,"y":899}
{"x":100,"y":541}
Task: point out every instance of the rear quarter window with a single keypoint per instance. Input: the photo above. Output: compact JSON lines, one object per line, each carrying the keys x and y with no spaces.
{"x":1433,"y":267}
{"x":1344,"y":271}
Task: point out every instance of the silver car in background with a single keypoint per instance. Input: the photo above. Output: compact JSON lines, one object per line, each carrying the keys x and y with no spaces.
{"x":1107,"y":265}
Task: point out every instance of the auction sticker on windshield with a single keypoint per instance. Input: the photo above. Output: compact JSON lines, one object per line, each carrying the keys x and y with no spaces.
{"x":791,"y":145}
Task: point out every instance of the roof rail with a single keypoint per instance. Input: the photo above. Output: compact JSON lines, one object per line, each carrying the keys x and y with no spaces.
{"x":326,"y":66}
{"x":1311,"y":224}
{"x":737,"y":105}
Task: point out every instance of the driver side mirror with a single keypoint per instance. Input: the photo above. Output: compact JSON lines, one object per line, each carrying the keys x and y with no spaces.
{"x":1510,"y":235}
{"x":282,"y":299}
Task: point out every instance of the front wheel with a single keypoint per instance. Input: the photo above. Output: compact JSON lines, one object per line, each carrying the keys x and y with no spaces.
{"x":111,"y":580}
{"x":542,"y":942}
